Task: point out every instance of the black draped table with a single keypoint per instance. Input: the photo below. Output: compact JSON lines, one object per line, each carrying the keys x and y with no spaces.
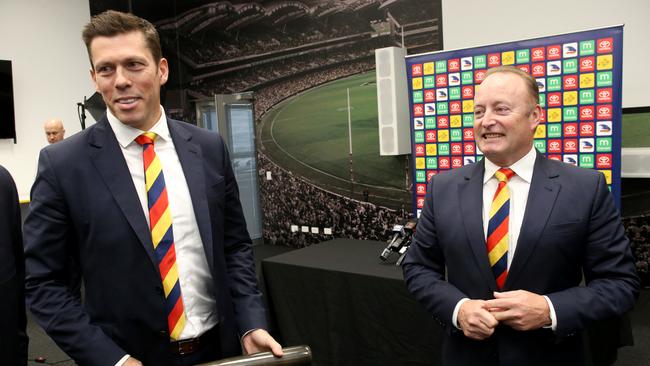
{"x":348,"y":306}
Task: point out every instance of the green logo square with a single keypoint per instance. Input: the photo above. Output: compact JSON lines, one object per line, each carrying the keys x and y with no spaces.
{"x":429,"y":82}
{"x":586,"y":161}
{"x":603,"y":144}
{"x":554,"y":83}
{"x":542,"y":100}
{"x":587,"y":47}
{"x":456,"y":134}
{"x":587,"y":96}
{"x":420,"y":176}
{"x":540,"y":145}
{"x":604,"y":78}
{"x":419,"y":136}
{"x":441,"y":66}
{"x":480,"y":62}
{"x":468,"y":120}
{"x":479,"y":158}
{"x":467,"y":77}
{"x":432,"y":163}
{"x":523,"y":56}
{"x":554,"y":130}
{"x":442,"y":108}
{"x":443,"y":148}
{"x":570,"y":114}
{"x":418,"y":96}
{"x":454,"y":93}
{"x":570,"y":66}
{"x":429,"y":123}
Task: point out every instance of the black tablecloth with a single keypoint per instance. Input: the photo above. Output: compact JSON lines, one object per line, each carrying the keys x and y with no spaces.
{"x":348,"y":306}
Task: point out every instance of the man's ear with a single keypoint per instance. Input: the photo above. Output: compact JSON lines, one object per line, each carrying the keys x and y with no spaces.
{"x":535,"y":116}
{"x":163,"y":70}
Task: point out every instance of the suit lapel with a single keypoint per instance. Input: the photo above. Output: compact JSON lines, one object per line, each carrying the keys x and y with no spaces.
{"x":190,"y":157}
{"x":543,"y":192}
{"x":470,"y":192}
{"x":107,"y":157}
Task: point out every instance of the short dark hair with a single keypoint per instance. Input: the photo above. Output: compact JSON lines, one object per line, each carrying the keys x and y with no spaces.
{"x":111,"y":23}
{"x":531,"y":83}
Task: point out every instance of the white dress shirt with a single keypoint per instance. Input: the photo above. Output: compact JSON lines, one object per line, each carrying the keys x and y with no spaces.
{"x":197,"y":286}
{"x":519,"y":186}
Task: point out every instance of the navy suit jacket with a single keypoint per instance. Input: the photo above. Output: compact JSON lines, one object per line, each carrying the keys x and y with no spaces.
{"x":84,"y":204}
{"x":13,"y":338}
{"x":570,"y":228}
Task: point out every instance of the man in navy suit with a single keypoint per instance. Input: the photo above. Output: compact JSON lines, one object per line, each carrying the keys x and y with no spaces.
{"x":89,"y":201}
{"x":522,"y":304}
{"x":13,"y":338}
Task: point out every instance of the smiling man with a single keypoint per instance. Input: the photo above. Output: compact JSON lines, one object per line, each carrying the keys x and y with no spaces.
{"x":149,"y":208}
{"x":503,"y":244}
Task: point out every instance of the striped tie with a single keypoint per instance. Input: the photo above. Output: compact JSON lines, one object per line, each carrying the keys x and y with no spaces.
{"x":160,"y":222}
{"x":497,"y":235}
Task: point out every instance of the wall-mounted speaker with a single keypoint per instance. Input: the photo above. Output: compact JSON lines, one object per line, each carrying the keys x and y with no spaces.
{"x":392,"y":101}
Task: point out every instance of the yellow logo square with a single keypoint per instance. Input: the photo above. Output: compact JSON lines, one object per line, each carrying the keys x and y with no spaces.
{"x":570,"y":98}
{"x":554,"y":115}
{"x":587,"y":80}
{"x":419,"y":163}
{"x":608,"y":176}
{"x":468,"y":106}
{"x":429,"y":68}
{"x":604,"y":62}
{"x":417,"y":83}
{"x":455,"y":122}
{"x":508,"y":58}
{"x":443,"y":135}
{"x":540,"y":132}
{"x":432,"y":149}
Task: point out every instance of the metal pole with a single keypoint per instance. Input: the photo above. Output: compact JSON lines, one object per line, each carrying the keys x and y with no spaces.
{"x":350,"y":140}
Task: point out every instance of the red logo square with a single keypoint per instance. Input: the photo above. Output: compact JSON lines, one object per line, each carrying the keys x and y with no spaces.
{"x":443,"y":122}
{"x":468,"y":92}
{"x":587,"y":128}
{"x":539,"y":70}
{"x":603,"y":161}
{"x":429,"y":96}
{"x":479,"y":75}
{"x":420,"y":189}
{"x":570,"y":130}
{"x":453,"y":65}
{"x":571,"y":146}
{"x":469,"y":148}
{"x":431,"y":136}
{"x":494,"y":59}
{"x":605,"y":45}
{"x":587,"y":113}
{"x":444,"y":163}
{"x":456,"y":162}
{"x":604,"y":112}
{"x":416,"y":70}
{"x":441,"y":81}
{"x":554,"y":52}
{"x":542,"y":115}
{"x":419,"y":202}
{"x":456,"y":148}
{"x":570,"y":82}
{"x":455,"y":107}
{"x":555,"y":157}
{"x":554,"y":99}
{"x":587,"y":64}
{"x":604,"y":95}
{"x":468,"y":134}
{"x":431,"y":173}
{"x":537,"y":54}
{"x":555,"y":146}
{"x":524,"y":68}
{"x":419,"y":150}
{"x":418,"y":110}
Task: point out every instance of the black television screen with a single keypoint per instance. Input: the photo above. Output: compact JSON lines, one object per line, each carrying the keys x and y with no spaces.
{"x":7,"y":119}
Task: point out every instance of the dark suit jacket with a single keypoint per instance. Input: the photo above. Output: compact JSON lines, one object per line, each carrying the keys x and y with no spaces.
{"x":571,"y":226}
{"x":13,"y":338}
{"x":84,"y":204}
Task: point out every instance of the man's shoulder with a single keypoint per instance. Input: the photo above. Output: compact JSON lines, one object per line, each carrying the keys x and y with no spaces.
{"x":192,"y":130}
{"x":569,"y":170}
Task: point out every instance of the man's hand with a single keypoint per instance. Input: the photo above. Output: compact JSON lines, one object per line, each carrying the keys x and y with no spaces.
{"x":520,"y":310}
{"x":132,"y":362}
{"x":260,"y":340}
{"x":475,"y":320}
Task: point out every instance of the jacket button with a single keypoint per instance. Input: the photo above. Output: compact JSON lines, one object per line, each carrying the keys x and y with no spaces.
{"x":163,"y":334}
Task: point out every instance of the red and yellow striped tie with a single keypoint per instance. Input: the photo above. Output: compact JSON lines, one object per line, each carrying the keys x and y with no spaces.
{"x":160,"y":223}
{"x":497,"y":235}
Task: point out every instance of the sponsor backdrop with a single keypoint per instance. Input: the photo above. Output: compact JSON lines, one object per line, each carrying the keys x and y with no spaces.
{"x":579,"y":77}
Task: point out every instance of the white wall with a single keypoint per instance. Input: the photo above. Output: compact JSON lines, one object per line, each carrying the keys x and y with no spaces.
{"x":471,"y":23}
{"x":42,"y":38}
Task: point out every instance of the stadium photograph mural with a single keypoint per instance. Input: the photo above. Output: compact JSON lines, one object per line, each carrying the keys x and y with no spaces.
{"x":310,"y":66}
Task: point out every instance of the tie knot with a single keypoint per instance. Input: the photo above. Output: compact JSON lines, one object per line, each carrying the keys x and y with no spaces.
{"x":146,"y":138}
{"x":504,"y":174}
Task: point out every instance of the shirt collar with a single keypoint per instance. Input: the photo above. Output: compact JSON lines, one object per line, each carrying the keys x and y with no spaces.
{"x":126,"y":134}
{"x":523,"y":167}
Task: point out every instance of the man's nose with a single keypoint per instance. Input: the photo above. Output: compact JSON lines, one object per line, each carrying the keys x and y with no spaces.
{"x":122,"y":79}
